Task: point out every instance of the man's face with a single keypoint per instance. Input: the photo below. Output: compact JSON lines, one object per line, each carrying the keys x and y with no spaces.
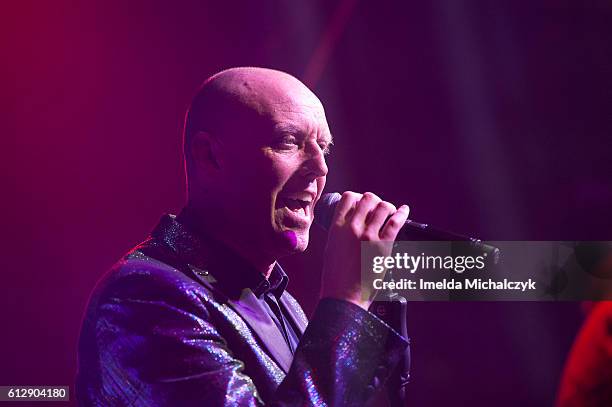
{"x":273,"y":172}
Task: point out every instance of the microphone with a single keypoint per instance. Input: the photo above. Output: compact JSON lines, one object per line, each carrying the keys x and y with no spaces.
{"x":411,"y":231}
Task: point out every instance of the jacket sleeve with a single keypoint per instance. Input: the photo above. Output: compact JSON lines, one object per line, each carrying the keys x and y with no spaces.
{"x":148,"y":340}
{"x":343,"y":359}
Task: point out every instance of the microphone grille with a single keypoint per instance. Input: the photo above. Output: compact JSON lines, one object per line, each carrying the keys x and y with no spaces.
{"x":324,"y":211}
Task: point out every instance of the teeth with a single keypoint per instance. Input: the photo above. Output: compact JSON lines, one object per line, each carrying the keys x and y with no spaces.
{"x":301,"y":196}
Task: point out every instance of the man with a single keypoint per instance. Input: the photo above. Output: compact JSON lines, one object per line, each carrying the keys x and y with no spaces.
{"x":198,"y":314}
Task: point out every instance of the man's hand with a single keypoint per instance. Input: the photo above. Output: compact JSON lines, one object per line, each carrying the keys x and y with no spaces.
{"x":357,"y":218}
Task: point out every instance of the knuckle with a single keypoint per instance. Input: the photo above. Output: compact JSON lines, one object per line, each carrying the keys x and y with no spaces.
{"x":392,"y":222}
{"x":370,"y":196}
{"x":388,"y":206}
{"x":350,"y":196}
{"x":369,"y":235}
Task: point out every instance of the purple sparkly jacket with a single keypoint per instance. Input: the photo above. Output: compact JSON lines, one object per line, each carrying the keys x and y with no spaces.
{"x":173,"y":324}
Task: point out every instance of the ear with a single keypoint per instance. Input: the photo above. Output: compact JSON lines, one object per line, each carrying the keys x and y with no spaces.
{"x":206,"y":151}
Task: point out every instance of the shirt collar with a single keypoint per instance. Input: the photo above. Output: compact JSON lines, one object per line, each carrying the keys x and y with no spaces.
{"x":233,"y":273}
{"x":275,"y":284}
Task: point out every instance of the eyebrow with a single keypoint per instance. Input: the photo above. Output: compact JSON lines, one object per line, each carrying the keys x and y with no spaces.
{"x":286,"y":128}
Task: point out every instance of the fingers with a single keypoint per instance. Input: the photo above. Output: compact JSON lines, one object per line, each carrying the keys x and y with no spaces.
{"x":395,"y":223}
{"x":377,"y":218}
{"x":346,"y":204}
{"x":367,"y":214}
{"x":366,"y":204}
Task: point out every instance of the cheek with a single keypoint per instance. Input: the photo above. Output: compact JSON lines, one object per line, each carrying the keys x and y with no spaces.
{"x":279,"y":169}
{"x":257,"y":172}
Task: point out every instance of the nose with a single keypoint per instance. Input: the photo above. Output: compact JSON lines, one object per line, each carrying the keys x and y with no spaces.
{"x":315,"y":165}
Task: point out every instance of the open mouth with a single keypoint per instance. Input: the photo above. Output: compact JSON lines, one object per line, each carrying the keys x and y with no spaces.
{"x":299,"y":207}
{"x":296,"y":204}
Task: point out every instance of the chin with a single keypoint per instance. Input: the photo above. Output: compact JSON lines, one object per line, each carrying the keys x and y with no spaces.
{"x":302,"y":242}
{"x":293,"y":241}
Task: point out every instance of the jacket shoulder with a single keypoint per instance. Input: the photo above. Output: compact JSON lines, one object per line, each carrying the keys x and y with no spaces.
{"x":140,"y":276}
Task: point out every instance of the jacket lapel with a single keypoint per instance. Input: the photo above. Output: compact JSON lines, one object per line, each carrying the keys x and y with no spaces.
{"x":294,"y":312}
{"x":208,"y":261}
{"x":255,"y":315}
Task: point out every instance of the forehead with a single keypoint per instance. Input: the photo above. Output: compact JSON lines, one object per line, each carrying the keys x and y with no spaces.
{"x":299,"y":116}
{"x":272,"y":102}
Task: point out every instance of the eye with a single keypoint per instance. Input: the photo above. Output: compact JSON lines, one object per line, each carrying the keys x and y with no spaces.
{"x":286,"y":142}
{"x":325,"y":148}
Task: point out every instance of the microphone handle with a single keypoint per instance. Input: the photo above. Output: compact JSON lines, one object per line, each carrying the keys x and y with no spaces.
{"x":423,"y":232}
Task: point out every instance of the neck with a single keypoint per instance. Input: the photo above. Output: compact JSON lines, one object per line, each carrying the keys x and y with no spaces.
{"x":245,"y":249}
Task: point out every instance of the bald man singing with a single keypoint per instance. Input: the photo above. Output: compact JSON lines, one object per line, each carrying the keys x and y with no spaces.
{"x":199,"y":313}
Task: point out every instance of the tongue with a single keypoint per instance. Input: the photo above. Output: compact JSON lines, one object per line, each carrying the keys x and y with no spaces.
{"x":293,"y":204}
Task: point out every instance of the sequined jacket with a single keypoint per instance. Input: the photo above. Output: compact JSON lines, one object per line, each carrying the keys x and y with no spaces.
{"x":173,"y":324}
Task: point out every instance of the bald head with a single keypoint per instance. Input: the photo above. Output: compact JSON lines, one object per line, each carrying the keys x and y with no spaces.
{"x":243,"y":98}
{"x":258,"y":88}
